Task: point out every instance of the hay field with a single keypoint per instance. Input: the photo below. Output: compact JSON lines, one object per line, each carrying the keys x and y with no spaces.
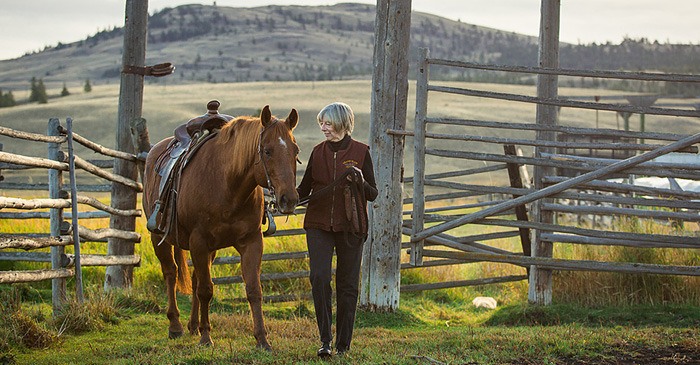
{"x":167,"y":106}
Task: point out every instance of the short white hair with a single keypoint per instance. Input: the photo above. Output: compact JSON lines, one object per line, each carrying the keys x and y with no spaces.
{"x":340,"y":116}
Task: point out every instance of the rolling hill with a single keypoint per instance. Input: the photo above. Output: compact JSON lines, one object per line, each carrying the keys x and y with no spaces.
{"x":214,"y":44}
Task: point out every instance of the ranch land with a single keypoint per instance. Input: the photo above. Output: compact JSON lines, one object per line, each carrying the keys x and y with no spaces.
{"x":596,"y":318}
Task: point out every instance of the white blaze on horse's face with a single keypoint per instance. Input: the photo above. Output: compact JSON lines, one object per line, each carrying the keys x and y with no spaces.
{"x":283,"y":143}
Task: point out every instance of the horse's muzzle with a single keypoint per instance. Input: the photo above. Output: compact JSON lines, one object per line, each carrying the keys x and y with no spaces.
{"x":287,"y":203}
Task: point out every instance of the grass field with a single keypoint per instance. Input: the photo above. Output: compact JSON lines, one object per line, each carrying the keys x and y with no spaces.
{"x":597,"y":318}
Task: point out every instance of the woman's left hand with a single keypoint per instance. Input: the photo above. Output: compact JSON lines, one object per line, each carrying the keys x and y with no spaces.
{"x":355,"y":175}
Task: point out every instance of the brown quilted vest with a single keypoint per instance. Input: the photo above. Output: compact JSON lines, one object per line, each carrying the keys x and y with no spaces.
{"x":328,"y":211}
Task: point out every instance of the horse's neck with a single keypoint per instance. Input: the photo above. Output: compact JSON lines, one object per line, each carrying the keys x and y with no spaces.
{"x":236,"y":163}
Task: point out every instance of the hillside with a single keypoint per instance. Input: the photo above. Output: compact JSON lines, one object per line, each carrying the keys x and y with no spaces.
{"x":217,"y":44}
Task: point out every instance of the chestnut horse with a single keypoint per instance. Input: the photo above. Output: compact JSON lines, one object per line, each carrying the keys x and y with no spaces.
{"x":220,"y":204}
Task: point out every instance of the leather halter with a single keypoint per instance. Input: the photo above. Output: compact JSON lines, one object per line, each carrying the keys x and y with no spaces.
{"x":269,"y":206}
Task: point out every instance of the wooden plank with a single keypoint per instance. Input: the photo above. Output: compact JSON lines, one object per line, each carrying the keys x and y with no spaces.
{"x":28,"y":243}
{"x":461,"y":283}
{"x":47,"y":215}
{"x":558,"y":128}
{"x":102,"y":260}
{"x":557,"y":102}
{"x":45,"y":187}
{"x":102,"y":149}
{"x":571,"y":265}
{"x":626,"y":75}
{"x":642,"y":213}
{"x":263,"y":277}
{"x":32,"y":161}
{"x":8,"y":277}
{"x":31,"y":136}
{"x":648,"y":169}
{"x":559,"y":187}
{"x":570,"y":238}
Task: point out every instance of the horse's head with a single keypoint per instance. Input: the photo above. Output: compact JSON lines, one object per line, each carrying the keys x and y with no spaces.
{"x":279,"y":154}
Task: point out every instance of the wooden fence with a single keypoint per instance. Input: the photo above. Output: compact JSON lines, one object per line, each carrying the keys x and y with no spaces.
{"x":527,"y":205}
{"x":62,"y":233}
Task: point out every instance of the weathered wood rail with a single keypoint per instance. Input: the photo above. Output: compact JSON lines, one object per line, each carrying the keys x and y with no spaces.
{"x":62,"y":233}
{"x":592,"y":189}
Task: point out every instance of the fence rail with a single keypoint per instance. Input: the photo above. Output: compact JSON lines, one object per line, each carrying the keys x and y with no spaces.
{"x":62,"y":233}
{"x":589,"y":192}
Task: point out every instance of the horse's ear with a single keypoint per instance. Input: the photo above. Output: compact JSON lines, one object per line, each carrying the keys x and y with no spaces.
{"x":265,"y":116}
{"x":292,"y":119}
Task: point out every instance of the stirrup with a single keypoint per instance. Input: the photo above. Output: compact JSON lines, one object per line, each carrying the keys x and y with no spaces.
{"x":152,"y":224}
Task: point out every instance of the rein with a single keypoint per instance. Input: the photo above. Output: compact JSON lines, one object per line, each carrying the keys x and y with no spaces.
{"x":357,"y":191}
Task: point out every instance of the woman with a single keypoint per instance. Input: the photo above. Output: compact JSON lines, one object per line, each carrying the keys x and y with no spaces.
{"x":340,"y":177}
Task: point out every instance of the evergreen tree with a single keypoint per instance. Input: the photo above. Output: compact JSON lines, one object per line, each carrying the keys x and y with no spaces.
{"x":87,"y":88}
{"x":38,"y":91}
{"x":41,"y":91}
{"x":65,"y":91}
{"x":33,"y":90}
{"x":7,"y":99}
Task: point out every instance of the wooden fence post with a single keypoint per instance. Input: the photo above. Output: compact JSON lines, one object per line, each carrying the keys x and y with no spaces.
{"x":540,"y":288}
{"x":419,"y":156}
{"x":382,"y":252}
{"x":58,"y":285}
{"x":130,"y":107}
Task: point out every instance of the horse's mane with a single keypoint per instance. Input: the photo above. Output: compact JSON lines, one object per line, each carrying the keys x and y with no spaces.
{"x":242,"y":135}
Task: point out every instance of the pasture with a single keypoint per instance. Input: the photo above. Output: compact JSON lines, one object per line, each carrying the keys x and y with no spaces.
{"x":599,"y":318}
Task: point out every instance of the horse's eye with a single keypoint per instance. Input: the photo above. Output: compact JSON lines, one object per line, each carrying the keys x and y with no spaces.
{"x":268,"y":153}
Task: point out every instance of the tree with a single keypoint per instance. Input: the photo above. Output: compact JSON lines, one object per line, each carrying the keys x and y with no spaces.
{"x":38,"y":91}
{"x":7,"y":100}
{"x":65,"y":91}
{"x":87,"y":88}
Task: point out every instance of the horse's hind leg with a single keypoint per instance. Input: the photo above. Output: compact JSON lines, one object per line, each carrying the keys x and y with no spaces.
{"x":251,"y":257}
{"x":164,"y":252}
{"x":193,"y":324}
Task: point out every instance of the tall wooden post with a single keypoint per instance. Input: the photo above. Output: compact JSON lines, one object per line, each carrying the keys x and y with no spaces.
{"x":540,"y":289}
{"x":58,"y":285}
{"x":382,"y":252}
{"x":130,"y":107}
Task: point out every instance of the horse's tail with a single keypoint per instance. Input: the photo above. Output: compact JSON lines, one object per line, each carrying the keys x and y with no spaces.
{"x":184,"y":281}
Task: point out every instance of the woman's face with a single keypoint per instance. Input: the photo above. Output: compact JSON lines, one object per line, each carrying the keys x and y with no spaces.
{"x":331,"y":134}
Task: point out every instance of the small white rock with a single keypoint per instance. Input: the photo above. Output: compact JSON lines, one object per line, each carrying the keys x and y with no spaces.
{"x":484,"y":302}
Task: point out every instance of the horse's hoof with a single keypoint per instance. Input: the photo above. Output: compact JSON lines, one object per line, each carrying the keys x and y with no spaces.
{"x":265,"y":346}
{"x":174,"y":334}
{"x":205,"y":340}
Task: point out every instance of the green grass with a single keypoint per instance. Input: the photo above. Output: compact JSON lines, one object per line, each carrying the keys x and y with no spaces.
{"x":456,"y":333}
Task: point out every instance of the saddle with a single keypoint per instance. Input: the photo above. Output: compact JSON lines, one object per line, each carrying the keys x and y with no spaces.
{"x":187,"y":139}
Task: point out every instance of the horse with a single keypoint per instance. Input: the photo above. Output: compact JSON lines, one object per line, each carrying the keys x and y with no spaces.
{"x":219,"y":204}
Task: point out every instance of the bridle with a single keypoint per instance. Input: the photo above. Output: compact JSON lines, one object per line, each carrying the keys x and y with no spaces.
{"x":269,"y":207}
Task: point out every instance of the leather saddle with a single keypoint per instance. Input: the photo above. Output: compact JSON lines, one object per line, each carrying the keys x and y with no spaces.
{"x":187,"y":139}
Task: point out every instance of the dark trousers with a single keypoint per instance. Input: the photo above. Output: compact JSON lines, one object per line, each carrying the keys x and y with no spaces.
{"x":348,"y":248}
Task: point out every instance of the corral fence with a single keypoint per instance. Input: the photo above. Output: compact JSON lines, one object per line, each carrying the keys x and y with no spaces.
{"x":62,"y":233}
{"x":597,"y":168}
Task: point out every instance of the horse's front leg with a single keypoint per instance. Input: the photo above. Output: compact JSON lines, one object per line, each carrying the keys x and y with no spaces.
{"x":205,"y":288}
{"x":168,"y":267}
{"x":251,"y":256}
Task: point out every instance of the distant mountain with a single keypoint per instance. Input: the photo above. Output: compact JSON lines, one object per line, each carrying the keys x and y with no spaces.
{"x":223,"y":44}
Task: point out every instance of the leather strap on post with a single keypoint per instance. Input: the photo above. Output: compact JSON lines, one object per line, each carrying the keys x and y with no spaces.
{"x":159,"y":70}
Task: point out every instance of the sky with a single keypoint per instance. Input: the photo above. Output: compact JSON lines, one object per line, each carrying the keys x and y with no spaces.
{"x":30,"y":25}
